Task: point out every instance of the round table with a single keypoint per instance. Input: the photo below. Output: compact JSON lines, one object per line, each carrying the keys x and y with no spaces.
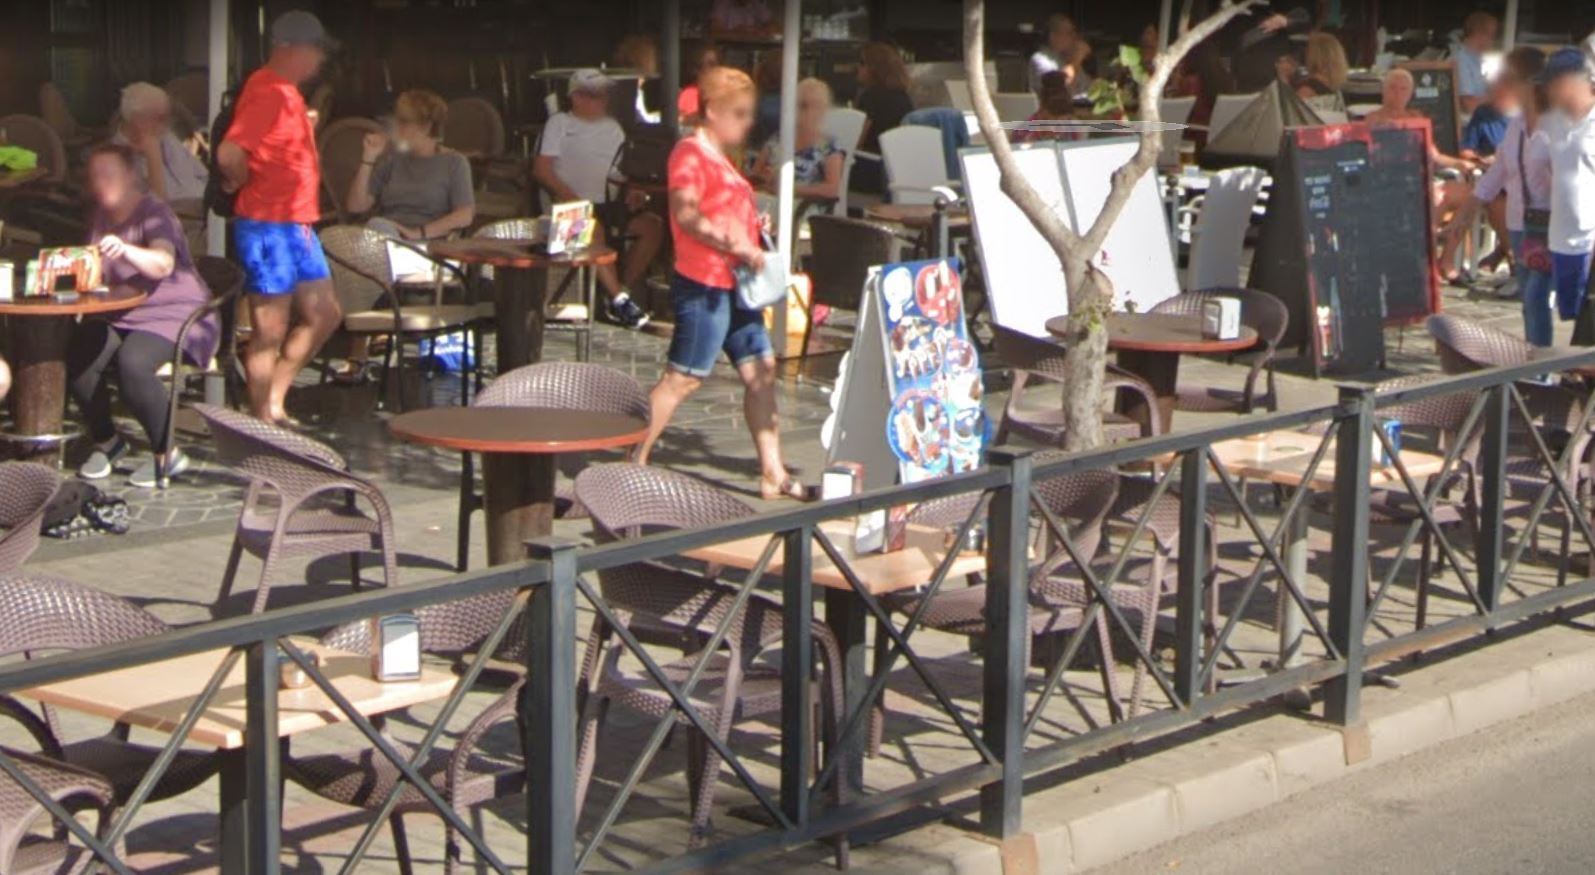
{"x":520,"y":287}
{"x":1150,"y":345}
{"x":519,"y":447}
{"x":40,"y":329}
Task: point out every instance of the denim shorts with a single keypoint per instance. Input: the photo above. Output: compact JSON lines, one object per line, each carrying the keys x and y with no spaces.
{"x":278,"y":256}
{"x":709,"y":320}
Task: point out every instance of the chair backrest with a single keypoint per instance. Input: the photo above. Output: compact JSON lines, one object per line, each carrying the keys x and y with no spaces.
{"x":914,"y":162}
{"x":474,"y":127}
{"x":843,"y":251}
{"x":285,"y":460}
{"x":42,"y":613}
{"x":340,"y":147}
{"x":447,"y":628}
{"x":1446,"y":414}
{"x":192,"y":92}
{"x":1465,"y":345}
{"x":226,"y":282}
{"x":1225,"y":109}
{"x":25,"y":492}
{"x":958,"y":95}
{"x":320,"y":103}
{"x":1081,"y":501}
{"x":1260,"y":311}
{"x":574,"y":386}
{"x":1219,"y":236}
{"x":1176,"y":111}
{"x":525,"y":228}
{"x":845,"y":125}
{"x":361,"y":270}
{"x":35,"y":134}
{"x":1017,"y":106}
{"x":56,"y":113}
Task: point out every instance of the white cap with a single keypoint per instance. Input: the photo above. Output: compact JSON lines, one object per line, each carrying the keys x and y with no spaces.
{"x":590,"y":81}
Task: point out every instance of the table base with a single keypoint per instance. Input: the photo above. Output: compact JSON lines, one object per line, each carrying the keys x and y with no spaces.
{"x":1161,"y":371}
{"x":38,"y":393}
{"x":519,"y":300}
{"x":519,"y":502}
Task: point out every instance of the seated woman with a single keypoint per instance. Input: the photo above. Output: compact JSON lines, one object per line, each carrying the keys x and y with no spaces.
{"x":141,"y":244}
{"x":414,"y":189}
{"x":816,"y":158}
{"x":1057,"y":104}
{"x":883,"y":98}
{"x":1324,"y":74}
{"x":167,"y":165}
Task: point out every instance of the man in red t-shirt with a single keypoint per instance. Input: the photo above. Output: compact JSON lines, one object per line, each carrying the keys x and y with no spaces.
{"x":269,"y":158}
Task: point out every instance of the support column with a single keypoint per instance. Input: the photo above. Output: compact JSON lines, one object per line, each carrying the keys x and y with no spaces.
{"x":216,"y":228}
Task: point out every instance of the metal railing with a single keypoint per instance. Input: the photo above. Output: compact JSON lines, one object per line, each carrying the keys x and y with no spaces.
{"x":1003,"y":742}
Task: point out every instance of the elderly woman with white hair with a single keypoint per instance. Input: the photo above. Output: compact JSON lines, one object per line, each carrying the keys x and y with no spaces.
{"x":144,"y":123}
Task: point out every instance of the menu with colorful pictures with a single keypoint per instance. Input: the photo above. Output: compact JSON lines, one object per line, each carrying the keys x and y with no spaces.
{"x":570,"y":227}
{"x":936,"y":424}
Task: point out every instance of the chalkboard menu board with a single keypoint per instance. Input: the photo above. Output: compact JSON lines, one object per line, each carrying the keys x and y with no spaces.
{"x":1436,"y":97}
{"x":1348,"y":244}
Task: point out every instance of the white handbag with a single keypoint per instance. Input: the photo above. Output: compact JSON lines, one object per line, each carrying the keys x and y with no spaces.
{"x":757,"y":289}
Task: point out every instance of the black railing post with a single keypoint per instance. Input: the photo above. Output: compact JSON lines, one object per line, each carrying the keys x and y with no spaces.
{"x":797,"y":659}
{"x":549,"y":712}
{"x":1348,"y":569}
{"x":1492,"y":495}
{"x":262,"y":768}
{"x":1193,"y":573}
{"x":1007,"y":631}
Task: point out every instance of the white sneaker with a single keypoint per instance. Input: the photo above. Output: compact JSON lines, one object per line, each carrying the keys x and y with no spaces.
{"x":144,"y":477}
{"x":102,"y":462}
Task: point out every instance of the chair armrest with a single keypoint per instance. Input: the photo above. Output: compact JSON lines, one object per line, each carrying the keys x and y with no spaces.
{"x":33,"y":724}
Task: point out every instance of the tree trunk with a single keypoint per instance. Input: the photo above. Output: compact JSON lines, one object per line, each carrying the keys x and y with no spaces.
{"x":1085,"y":355}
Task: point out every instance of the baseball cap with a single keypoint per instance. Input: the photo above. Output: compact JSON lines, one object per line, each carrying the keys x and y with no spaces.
{"x":1565,"y":62}
{"x":297,"y":27}
{"x":589,"y":81}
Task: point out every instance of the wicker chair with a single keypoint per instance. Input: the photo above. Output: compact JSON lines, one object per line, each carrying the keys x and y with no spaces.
{"x":363,"y":276}
{"x":844,"y":250}
{"x":25,"y":492}
{"x":1260,"y":312}
{"x":565,"y":386}
{"x":225,"y":281}
{"x":666,"y":604}
{"x":43,"y":615}
{"x":36,"y":134}
{"x":339,"y":147}
{"x":575,"y":317}
{"x":23,"y":849}
{"x":467,"y":776}
{"x":1033,"y":358}
{"x":285,"y":510}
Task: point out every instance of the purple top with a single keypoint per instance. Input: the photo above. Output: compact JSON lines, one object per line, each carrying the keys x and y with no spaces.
{"x":171,"y":300}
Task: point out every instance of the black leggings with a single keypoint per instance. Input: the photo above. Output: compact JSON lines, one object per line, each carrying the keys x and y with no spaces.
{"x":138,"y":356}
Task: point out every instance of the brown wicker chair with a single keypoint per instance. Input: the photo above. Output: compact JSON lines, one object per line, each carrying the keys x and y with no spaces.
{"x":286,"y":510}
{"x":466,"y":776}
{"x":576,"y":387}
{"x":41,"y":615}
{"x":225,"y":281}
{"x":1260,"y":312}
{"x":843,"y":252}
{"x":23,"y":849}
{"x":363,"y":277}
{"x":667,"y":604}
{"x":339,"y":147}
{"x":34,"y":133}
{"x":1033,"y":358}
{"x":25,"y":492}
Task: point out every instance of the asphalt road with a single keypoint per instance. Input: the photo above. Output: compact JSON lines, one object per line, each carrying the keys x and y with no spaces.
{"x":1518,"y":798}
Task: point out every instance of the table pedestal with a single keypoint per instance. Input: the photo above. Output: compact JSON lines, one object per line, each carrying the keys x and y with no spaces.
{"x":38,"y":394}
{"x":1161,"y":371}
{"x":519,"y":299}
{"x":519,"y":502}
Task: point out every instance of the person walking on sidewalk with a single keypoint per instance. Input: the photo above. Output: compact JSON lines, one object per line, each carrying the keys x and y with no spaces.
{"x":269,"y":158}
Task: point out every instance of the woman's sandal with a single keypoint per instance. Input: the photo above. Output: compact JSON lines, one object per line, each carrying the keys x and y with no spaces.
{"x":789,"y":490}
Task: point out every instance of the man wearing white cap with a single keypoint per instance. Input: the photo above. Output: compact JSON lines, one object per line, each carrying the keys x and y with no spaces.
{"x":576,"y":162}
{"x":269,"y":158}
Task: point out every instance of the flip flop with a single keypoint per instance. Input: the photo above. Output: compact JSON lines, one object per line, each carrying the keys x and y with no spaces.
{"x":790,"y":490}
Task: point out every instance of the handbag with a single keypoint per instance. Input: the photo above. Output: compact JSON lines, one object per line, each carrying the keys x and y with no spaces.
{"x":757,"y":289}
{"x":1536,"y":254}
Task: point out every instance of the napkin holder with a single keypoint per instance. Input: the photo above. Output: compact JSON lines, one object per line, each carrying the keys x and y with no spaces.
{"x":396,"y":648}
{"x":1221,"y":318}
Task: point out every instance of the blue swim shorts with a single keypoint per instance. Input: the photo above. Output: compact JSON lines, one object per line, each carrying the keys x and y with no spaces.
{"x":278,"y":256}
{"x":708,"y":321}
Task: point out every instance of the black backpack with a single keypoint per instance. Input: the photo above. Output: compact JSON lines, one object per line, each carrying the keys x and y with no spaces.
{"x":645,"y":156}
{"x":218,"y":200}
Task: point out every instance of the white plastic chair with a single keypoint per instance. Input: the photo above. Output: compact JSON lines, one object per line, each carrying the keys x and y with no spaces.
{"x":1225,"y":110}
{"x":916,"y":170}
{"x":1175,"y":111}
{"x":1222,"y":216}
{"x":846,"y":127}
{"x":1016,"y":107}
{"x":958,"y":95}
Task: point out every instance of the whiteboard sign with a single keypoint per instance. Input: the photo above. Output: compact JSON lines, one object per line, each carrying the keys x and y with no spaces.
{"x":1136,"y":255}
{"x":1024,"y":281}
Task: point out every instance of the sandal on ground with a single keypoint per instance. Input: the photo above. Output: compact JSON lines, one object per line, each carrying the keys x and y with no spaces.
{"x":789,"y":489}
{"x":351,"y":374}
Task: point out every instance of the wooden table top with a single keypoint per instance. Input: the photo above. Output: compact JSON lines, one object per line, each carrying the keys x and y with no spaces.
{"x":518,"y":429}
{"x":18,"y":178}
{"x":88,"y":303}
{"x":915,"y":215}
{"x":881,"y":573}
{"x":516,"y":253}
{"x":1159,"y":332}
{"x":156,"y":695}
{"x":1281,"y":457}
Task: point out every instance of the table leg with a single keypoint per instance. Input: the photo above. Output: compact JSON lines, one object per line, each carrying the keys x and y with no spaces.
{"x":1292,"y":623}
{"x":519,"y":502}
{"x":846,"y":615}
{"x":1161,"y":371}
{"x":234,"y":810}
{"x":38,"y":394}
{"x":519,"y":298}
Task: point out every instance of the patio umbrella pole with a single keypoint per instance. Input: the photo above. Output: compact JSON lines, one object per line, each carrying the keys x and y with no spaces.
{"x":1165,"y":19}
{"x":791,"y":45}
{"x":215,"y":228}
{"x":671,"y":64}
{"x":1509,"y":26}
